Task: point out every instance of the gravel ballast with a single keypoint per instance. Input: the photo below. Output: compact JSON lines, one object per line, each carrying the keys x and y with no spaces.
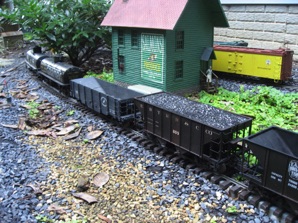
{"x":39,"y":175}
{"x":201,"y":113}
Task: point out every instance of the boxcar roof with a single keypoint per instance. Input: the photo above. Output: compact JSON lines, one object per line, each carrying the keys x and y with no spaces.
{"x":156,"y":14}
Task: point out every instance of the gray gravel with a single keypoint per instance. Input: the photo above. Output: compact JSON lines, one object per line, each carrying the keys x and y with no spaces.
{"x":202,"y":113}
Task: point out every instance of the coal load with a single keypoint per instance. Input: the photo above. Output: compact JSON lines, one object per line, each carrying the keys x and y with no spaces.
{"x":202,"y":113}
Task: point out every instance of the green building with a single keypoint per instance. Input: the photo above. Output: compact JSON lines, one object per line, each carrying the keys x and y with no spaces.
{"x":161,"y":43}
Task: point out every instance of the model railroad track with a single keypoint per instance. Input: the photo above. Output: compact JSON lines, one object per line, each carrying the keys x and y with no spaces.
{"x":235,"y":189}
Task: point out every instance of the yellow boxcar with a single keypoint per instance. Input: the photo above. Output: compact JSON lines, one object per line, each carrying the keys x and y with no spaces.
{"x":270,"y":64}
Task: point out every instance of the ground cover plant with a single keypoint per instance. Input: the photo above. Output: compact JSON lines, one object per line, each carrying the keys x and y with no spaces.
{"x":267,"y":105}
{"x":105,"y":75}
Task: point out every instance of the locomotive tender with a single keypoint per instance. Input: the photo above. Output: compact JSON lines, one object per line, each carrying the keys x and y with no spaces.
{"x":52,"y":68}
{"x":211,"y":134}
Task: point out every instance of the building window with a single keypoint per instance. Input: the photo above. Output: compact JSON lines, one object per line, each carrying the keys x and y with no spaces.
{"x":179,"y":69}
{"x":121,"y":64}
{"x":180,"y":40}
{"x":134,"y":38}
{"x":120,"y":37}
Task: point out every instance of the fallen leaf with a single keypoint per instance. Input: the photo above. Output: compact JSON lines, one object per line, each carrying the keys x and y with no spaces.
{"x":35,"y":188}
{"x":72,"y":136}
{"x":57,"y":208}
{"x":22,"y":86}
{"x":94,"y":134}
{"x":45,"y":106}
{"x":86,"y":197}
{"x":100,"y":179}
{"x":104,"y":218}
{"x":66,"y":130}
{"x":20,"y":96}
{"x":28,"y":107}
{"x":58,"y":112}
{"x":39,"y":132}
{"x":31,"y":97}
{"x":90,"y":128}
{"x":70,"y":122}
{"x":22,"y":123}
{"x":10,"y":126}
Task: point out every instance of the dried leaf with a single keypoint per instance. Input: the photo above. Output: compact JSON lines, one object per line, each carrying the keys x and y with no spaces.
{"x":39,"y":132}
{"x":100,"y":179}
{"x":70,"y":122}
{"x":35,"y":188}
{"x":66,"y":130}
{"x":20,"y":96}
{"x":90,"y":128}
{"x":45,"y":106}
{"x":94,"y":134}
{"x":2,"y":95}
{"x":22,"y":86}
{"x":86,"y":197}
{"x":28,"y":107}
{"x":104,"y":218}
{"x":58,"y":112}
{"x":22,"y":123}
{"x":31,"y":97}
{"x":10,"y":126}
{"x":57,"y":208}
{"x":72,"y":136}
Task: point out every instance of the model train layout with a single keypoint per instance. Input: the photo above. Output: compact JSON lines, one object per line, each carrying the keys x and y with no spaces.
{"x":222,"y":139}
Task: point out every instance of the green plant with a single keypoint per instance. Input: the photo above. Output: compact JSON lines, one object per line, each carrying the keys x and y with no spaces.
{"x":70,"y":113}
{"x":268,"y":105}
{"x":251,"y":159}
{"x":105,"y":75}
{"x":86,"y":141}
{"x":28,"y":36}
{"x":232,"y":210}
{"x":44,"y":219}
{"x":33,"y":109}
{"x":71,"y":26}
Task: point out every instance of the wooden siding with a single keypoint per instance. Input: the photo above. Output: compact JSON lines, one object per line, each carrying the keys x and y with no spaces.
{"x":198,"y":33}
{"x":132,"y":73}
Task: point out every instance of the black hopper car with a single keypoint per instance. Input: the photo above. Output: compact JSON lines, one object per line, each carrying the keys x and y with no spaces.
{"x":218,"y":137}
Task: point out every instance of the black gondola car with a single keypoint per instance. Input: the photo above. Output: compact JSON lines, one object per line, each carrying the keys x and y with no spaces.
{"x":198,"y":128}
{"x":105,"y":98}
{"x":276,"y":164}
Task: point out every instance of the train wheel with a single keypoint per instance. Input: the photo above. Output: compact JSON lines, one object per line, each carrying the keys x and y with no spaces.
{"x":222,"y":168}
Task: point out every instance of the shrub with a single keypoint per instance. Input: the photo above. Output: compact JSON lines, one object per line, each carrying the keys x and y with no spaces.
{"x":71,"y":26}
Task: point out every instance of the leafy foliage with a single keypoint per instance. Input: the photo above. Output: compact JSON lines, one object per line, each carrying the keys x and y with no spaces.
{"x":71,"y":26}
{"x":268,"y":105}
{"x":105,"y":75}
{"x":232,"y":210}
{"x":33,"y":111}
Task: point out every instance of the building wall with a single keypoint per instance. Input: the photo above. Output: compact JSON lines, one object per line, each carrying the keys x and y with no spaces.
{"x":198,"y":34}
{"x":132,"y":57}
{"x":261,"y":25}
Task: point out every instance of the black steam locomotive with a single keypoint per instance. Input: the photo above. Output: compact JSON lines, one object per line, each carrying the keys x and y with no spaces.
{"x":218,"y":137}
